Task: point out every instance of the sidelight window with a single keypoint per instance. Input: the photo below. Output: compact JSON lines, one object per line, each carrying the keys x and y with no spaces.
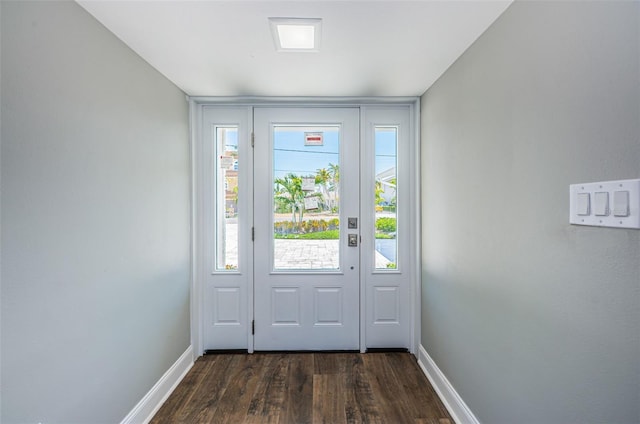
{"x":226,"y":197}
{"x":386,"y":197}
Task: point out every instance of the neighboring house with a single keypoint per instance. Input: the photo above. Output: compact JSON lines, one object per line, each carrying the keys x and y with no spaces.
{"x":387,"y":181}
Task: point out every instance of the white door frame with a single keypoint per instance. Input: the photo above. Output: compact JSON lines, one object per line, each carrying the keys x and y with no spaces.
{"x":197,"y":105}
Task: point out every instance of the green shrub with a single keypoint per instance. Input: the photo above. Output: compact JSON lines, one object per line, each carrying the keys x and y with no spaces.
{"x":320,"y":235}
{"x":386,"y":225}
{"x":304,"y":227}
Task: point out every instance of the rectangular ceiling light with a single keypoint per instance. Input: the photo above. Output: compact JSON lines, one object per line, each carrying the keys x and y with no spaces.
{"x":296,"y":34}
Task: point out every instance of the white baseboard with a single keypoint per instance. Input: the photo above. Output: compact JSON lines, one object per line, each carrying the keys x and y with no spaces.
{"x":459,"y":410}
{"x":144,"y":411}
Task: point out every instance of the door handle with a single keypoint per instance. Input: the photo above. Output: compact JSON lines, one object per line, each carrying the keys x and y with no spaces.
{"x":352,"y":240}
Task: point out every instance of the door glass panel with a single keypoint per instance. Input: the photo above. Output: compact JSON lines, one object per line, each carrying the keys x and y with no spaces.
{"x":386,"y":142}
{"x":226,"y":198}
{"x":306,"y":197}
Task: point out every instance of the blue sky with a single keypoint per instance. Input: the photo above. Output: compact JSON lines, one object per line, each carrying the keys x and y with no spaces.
{"x":292,"y":156}
{"x":385,"y":149}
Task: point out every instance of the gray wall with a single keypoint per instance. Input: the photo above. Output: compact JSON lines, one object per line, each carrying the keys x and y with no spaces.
{"x":531,"y":319}
{"x":95,"y":219}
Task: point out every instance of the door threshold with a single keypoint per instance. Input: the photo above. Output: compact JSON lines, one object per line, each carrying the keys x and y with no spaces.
{"x":307,"y":351}
{"x":225,"y":351}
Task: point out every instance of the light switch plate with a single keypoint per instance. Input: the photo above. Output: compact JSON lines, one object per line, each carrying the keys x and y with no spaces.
{"x":600,"y":216}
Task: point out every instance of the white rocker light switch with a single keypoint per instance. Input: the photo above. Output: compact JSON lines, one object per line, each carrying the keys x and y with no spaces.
{"x":620,"y":203}
{"x":601,"y":203}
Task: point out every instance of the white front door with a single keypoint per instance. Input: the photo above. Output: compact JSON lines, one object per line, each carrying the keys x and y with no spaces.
{"x":306,"y":227}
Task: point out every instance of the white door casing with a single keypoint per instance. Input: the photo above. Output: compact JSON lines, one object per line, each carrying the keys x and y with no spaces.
{"x":223,"y":299}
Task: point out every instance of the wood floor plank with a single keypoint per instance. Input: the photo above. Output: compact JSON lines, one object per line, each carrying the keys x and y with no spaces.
{"x":330,"y":363}
{"x":299,"y":397}
{"x":360,"y":402}
{"x":268,"y":401}
{"x":234,"y":404}
{"x":202,"y":396}
{"x":208,"y":399}
{"x":407,"y":372}
{"x":328,"y":399}
{"x":190,"y":385}
{"x":387,"y":389}
{"x":300,"y":388}
{"x":433,"y":421}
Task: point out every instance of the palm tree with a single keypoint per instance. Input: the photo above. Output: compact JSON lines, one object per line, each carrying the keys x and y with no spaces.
{"x":378,"y":194}
{"x":322,"y":178}
{"x":393,"y":183}
{"x":334,"y":172}
{"x":288,"y":191}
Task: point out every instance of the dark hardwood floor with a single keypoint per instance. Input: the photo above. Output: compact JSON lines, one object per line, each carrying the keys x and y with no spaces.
{"x":295,"y":388}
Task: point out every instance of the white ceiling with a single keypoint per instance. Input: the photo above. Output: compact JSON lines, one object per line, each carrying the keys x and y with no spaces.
{"x":368,"y":48}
